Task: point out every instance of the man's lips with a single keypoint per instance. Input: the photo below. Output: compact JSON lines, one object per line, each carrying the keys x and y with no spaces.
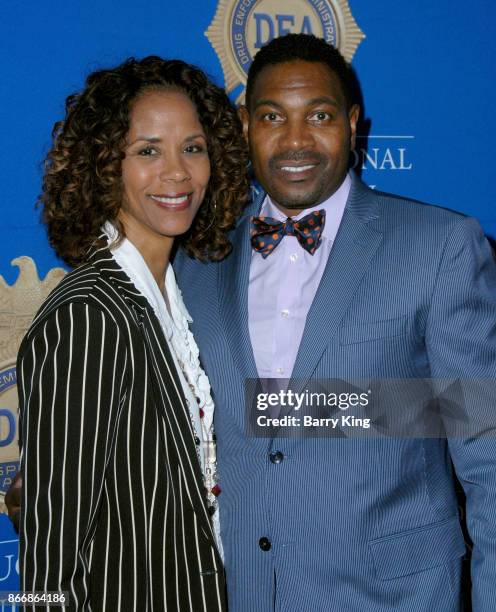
{"x":296,"y":172}
{"x":298,"y":165}
{"x":297,"y":169}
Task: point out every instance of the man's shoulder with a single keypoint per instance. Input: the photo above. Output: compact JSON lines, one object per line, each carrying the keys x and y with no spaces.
{"x":408,"y":225}
{"x":403,"y":206}
{"x":419,"y":222}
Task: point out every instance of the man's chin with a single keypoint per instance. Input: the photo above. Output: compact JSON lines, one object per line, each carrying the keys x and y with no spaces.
{"x":297,"y":196}
{"x":296,"y":204}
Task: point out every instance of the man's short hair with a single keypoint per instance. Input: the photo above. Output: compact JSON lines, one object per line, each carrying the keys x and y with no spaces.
{"x":306,"y":47}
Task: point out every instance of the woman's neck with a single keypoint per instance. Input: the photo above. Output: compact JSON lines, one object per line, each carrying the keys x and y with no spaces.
{"x":154,"y":249}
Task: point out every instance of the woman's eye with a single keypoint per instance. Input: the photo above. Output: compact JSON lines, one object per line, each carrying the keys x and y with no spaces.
{"x":147,"y":151}
{"x":194,"y":148}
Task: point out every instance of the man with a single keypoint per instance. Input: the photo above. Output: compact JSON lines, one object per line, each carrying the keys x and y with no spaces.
{"x":391,"y":289}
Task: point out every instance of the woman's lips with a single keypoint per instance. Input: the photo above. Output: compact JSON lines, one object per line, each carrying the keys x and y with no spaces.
{"x":178,"y":201}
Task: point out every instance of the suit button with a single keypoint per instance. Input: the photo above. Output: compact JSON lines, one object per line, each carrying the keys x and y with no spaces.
{"x":276,"y":457}
{"x":265,"y":544}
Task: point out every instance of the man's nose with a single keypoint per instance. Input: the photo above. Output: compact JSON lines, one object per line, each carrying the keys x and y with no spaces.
{"x":297,"y":135}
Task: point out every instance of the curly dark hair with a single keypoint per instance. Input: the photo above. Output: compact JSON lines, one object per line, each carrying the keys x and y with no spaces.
{"x":82,"y":185}
{"x":308,"y":48}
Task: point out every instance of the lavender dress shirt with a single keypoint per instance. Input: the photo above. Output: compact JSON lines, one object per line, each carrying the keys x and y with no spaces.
{"x":283,"y":286}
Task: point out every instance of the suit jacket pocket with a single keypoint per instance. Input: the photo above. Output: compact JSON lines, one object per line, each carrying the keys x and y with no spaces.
{"x":364,"y":332}
{"x":419,"y":549}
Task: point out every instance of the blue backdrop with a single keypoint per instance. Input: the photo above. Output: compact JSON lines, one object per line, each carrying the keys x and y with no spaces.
{"x":426,"y":70}
{"x":426,"y":73}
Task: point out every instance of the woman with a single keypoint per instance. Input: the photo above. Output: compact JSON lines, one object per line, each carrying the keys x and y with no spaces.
{"x":116,"y":413}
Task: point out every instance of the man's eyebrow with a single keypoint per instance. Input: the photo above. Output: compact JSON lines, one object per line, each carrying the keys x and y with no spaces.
{"x":323,"y":100}
{"x":266,"y":102}
{"x":313,"y":102}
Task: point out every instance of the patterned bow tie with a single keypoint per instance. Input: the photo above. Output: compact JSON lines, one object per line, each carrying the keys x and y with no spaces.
{"x":267,"y":233}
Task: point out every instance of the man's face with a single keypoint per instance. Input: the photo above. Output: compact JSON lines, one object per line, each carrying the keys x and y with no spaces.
{"x":300,"y":133}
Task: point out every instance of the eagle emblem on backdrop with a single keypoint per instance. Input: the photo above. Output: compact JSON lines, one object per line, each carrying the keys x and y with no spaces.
{"x":241,"y":27}
{"x":18,"y":305}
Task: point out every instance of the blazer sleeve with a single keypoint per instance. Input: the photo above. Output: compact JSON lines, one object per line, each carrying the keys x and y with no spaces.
{"x":71,"y":382}
{"x":461,"y":343}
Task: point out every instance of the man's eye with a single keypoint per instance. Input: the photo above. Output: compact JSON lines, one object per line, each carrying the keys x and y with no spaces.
{"x":271,"y":117}
{"x":320,"y":116}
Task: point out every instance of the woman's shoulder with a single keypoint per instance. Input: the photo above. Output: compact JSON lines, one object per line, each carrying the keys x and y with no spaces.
{"x":86,"y":289}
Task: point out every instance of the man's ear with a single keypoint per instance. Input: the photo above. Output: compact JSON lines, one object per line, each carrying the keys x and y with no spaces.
{"x":353,"y":115}
{"x":244,"y":116}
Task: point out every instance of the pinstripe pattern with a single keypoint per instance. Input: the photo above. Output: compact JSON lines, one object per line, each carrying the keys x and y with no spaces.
{"x":113,"y":504}
{"x":409,"y":291}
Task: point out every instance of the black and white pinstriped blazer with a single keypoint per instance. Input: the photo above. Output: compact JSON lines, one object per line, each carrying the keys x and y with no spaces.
{"x":113,"y":505}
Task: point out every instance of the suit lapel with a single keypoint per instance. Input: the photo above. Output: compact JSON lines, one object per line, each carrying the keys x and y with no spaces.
{"x":233,"y":281}
{"x":350,"y":257}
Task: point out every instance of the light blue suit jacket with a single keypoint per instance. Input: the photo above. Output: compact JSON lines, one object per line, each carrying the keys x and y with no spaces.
{"x":409,"y":291}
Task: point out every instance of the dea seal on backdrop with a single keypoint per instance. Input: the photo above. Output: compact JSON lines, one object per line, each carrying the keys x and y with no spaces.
{"x":241,"y":27}
{"x":18,"y":305}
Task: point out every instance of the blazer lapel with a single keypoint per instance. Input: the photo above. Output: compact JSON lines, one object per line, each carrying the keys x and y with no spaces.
{"x":350,"y":257}
{"x":172,"y":405}
{"x":161,"y":365}
{"x":103,"y":260}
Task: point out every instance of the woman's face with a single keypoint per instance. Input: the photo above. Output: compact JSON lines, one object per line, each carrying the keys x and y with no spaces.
{"x":166,"y":167}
